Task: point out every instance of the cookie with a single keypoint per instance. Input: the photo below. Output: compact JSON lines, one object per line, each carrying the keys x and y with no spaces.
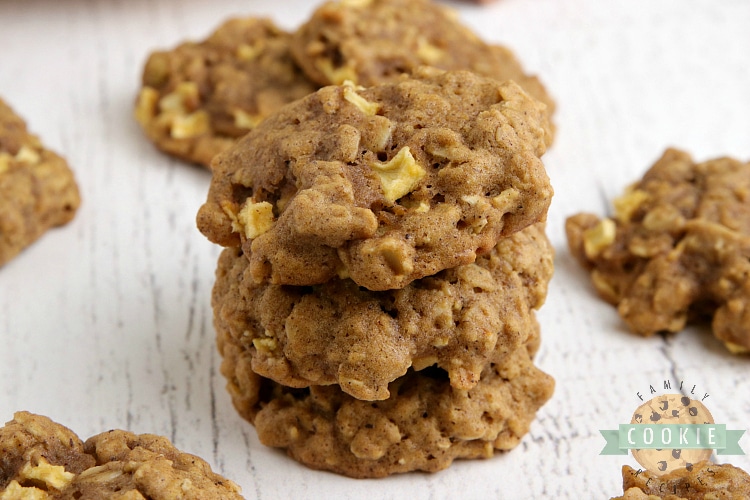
{"x":37,"y":188}
{"x":384,"y":185}
{"x":677,"y":248}
{"x":339,"y":333}
{"x":671,"y":409}
{"x":40,"y":459}
{"x":370,"y":42}
{"x":424,"y":425}
{"x":701,"y":481}
{"x":199,"y":97}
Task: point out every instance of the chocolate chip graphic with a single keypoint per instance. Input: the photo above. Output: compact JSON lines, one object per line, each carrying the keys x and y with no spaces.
{"x":664,"y":405}
{"x":685,"y":400}
{"x":675,"y":413}
{"x":689,"y":467}
{"x":655,"y":417}
{"x":638,"y":417}
{"x":662,"y":465}
{"x":676,"y":453}
{"x":693,"y":411}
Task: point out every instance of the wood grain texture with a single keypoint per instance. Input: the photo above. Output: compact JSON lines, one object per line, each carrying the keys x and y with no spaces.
{"x":106,"y":323}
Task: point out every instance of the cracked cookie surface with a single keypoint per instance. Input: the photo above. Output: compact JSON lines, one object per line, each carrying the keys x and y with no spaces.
{"x":43,"y":460}
{"x":383,"y":185}
{"x":199,"y":97}
{"x":37,"y":188}
{"x":424,"y":425}
{"x":338,"y":333}
{"x":372,"y":42}
{"x":677,"y":248}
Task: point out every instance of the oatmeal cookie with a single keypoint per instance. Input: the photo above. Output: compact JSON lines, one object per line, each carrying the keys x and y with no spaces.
{"x":384,"y":185}
{"x":198,"y":98}
{"x":370,"y":42}
{"x":701,"y":481}
{"x":339,"y":333}
{"x":40,"y":459}
{"x":677,"y":248}
{"x":424,"y":425}
{"x":37,"y":188}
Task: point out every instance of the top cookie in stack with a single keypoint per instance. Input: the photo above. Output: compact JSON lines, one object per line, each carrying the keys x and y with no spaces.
{"x":383,"y":185}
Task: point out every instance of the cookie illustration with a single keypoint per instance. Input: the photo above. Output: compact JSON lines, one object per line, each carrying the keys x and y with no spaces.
{"x":671,"y":409}
{"x":338,"y":333}
{"x":425,"y":424}
{"x":375,"y":41}
{"x":37,"y":188}
{"x":199,"y":97}
{"x":43,"y":460}
{"x":677,"y":248}
{"x":383,"y":185}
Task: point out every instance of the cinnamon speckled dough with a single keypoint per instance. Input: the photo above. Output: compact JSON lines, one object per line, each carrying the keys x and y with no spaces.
{"x":338,"y":333}
{"x":701,"y":481}
{"x":384,"y":185}
{"x":199,"y":97}
{"x":677,"y":247}
{"x":424,"y":425}
{"x":37,"y":188}
{"x":371,"y":42}
{"x":40,"y":459}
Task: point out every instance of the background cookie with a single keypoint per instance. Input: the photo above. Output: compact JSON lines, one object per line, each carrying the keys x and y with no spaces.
{"x":374,"y":41}
{"x":338,"y":333}
{"x":677,"y":248}
{"x":37,"y":188}
{"x":42,"y":459}
{"x":700,"y":481}
{"x":424,"y":425}
{"x":198,"y":98}
{"x":384,"y":185}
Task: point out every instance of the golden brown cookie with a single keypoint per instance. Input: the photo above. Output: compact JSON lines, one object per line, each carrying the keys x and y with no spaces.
{"x":424,"y":425}
{"x":42,"y":460}
{"x":37,"y":188}
{"x":339,"y":333}
{"x":384,"y":185}
{"x":701,"y":481}
{"x":374,"y":41}
{"x":198,"y":98}
{"x":677,"y":248}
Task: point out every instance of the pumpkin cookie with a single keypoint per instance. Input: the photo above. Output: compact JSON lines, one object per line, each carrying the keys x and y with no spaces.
{"x":425,"y":424}
{"x":384,"y":185}
{"x":42,"y":460}
{"x":37,"y":188}
{"x":198,"y":98}
{"x":339,"y":333}
{"x":677,"y":248}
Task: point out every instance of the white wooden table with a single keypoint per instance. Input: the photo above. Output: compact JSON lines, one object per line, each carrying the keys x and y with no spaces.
{"x":107,"y":324}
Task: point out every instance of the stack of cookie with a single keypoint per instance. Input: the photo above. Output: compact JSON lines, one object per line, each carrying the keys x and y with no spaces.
{"x":385,"y":254}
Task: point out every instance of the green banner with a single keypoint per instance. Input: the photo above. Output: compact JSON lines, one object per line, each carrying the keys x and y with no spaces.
{"x":672,"y":436}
